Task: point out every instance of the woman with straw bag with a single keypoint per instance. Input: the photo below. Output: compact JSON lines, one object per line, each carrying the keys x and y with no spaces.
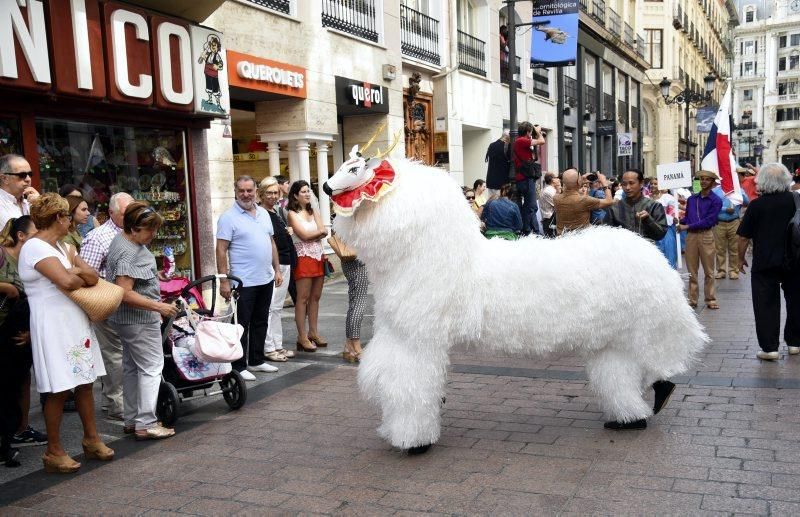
{"x":66,"y":354}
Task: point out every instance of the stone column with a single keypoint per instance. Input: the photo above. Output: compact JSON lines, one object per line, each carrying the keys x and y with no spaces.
{"x":302,"y":160}
{"x":322,"y":177}
{"x":294,"y":169}
{"x":274,"y":152}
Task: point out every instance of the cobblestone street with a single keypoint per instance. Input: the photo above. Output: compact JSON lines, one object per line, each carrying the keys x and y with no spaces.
{"x":520,"y":437}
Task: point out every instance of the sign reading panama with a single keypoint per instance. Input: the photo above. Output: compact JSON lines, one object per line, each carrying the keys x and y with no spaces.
{"x":555,"y":33}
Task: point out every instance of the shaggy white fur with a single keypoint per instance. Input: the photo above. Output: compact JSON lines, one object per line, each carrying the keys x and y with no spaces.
{"x":604,"y":293}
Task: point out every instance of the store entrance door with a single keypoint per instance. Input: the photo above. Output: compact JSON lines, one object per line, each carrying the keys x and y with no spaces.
{"x":419,"y":127}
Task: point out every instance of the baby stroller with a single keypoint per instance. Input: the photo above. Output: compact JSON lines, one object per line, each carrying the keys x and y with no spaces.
{"x":185,"y":377}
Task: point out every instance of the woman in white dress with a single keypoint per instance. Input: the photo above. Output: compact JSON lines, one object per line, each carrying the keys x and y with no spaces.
{"x":66,"y":354}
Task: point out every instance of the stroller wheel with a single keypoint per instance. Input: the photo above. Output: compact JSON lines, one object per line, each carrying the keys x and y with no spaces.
{"x":168,"y":402}
{"x":234,"y":390}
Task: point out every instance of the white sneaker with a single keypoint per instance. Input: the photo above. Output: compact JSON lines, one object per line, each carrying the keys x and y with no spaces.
{"x":247,"y":375}
{"x":768,"y":356}
{"x":794,"y":350}
{"x":263,"y":367}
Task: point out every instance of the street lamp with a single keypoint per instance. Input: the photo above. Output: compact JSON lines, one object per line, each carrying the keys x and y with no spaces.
{"x":758,"y":148}
{"x":688,"y":98}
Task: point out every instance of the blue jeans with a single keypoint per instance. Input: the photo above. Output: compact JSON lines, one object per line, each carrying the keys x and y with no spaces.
{"x":526,"y":190}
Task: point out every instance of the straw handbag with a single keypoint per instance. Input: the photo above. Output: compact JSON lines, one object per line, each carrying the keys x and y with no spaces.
{"x":342,"y":250}
{"x":98,"y":301}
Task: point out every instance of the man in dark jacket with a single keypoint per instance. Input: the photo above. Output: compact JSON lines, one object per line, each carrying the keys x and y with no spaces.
{"x":499,"y":166}
{"x":637,"y":213}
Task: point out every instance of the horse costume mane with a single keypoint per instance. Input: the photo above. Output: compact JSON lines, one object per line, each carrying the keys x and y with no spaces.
{"x":438,"y":282}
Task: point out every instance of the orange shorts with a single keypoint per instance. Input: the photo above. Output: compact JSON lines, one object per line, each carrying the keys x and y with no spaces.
{"x":308,"y":267}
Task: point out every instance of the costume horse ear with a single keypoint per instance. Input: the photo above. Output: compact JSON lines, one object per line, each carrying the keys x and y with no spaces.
{"x":354,"y":152}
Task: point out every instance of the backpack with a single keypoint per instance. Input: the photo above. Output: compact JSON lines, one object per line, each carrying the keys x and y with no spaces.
{"x":793,"y":234}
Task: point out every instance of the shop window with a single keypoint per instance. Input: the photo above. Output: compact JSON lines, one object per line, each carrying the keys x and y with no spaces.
{"x":102,"y":160}
{"x":10,"y":136}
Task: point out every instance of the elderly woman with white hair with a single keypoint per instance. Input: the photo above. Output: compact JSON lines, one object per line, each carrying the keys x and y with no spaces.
{"x":765,"y":223}
{"x":269,"y":193}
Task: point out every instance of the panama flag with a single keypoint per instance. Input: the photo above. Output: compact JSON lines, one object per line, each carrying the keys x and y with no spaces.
{"x":719,"y":156}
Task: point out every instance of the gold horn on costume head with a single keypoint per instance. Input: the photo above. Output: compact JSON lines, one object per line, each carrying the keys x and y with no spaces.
{"x":381,"y":155}
{"x":371,"y":140}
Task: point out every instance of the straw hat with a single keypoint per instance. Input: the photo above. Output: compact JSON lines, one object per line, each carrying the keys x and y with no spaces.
{"x":706,"y":174}
{"x":98,"y":301}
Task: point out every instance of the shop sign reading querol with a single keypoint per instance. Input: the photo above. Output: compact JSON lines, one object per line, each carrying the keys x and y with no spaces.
{"x":360,"y":98}
{"x":106,"y":50}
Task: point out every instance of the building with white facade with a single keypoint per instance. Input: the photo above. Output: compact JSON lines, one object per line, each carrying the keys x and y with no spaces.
{"x":767,"y":82}
{"x":308,"y":80}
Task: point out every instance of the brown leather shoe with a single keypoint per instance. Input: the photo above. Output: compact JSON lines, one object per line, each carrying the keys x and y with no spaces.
{"x":306,"y":346}
{"x":317,"y":340}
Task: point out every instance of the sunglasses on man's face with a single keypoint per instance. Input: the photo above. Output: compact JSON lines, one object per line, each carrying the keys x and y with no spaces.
{"x":20,"y":175}
{"x":470,"y":198}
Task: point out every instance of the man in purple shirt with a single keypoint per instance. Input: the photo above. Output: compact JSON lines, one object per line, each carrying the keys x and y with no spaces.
{"x":701,"y":216}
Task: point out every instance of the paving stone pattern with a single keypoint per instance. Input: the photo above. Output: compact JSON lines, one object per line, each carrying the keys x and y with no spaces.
{"x":521,"y":444}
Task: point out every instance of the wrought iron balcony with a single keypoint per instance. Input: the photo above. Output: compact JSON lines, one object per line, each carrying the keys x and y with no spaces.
{"x":570,"y":91}
{"x":634,"y":117}
{"x":584,"y":5}
{"x":356,"y":17}
{"x":471,"y":54}
{"x":281,"y":6}
{"x":630,"y":36}
{"x":608,"y":106}
{"x":599,"y":11}
{"x":640,"y":47}
{"x":622,"y":112}
{"x":590,"y":98}
{"x":614,"y":23}
{"x":419,"y":35}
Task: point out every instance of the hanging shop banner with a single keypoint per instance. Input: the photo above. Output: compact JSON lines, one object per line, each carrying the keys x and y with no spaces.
{"x":624,"y":144}
{"x":705,"y":118}
{"x":555,"y":33}
{"x":354,"y":97}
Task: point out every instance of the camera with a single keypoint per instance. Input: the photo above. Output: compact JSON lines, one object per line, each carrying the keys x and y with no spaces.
{"x":592,"y":177}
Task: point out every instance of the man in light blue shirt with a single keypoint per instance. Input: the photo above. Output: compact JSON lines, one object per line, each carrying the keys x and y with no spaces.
{"x":725,"y":237}
{"x":246,"y":249}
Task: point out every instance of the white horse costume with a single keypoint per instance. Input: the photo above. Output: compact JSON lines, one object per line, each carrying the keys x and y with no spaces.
{"x":438,"y":282}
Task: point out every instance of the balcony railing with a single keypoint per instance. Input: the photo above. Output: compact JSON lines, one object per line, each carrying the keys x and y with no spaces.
{"x":614,"y":22}
{"x":282,"y":6}
{"x":640,"y":47}
{"x":471,"y":54}
{"x":789,"y":97}
{"x":504,"y":71}
{"x":634,"y":117}
{"x":584,"y":6}
{"x":599,"y":11}
{"x":677,"y":16}
{"x":570,"y":91}
{"x":630,"y":36}
{"x":419,"y":35}
{"x":356,"y":17}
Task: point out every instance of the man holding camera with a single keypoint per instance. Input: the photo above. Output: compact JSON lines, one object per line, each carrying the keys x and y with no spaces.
{"x":525,"y":160}
{"x":573,"y":209}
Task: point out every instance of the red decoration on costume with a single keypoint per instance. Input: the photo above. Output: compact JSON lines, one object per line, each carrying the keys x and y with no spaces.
{"x":381,"y":182}
{"x":87,"y":343}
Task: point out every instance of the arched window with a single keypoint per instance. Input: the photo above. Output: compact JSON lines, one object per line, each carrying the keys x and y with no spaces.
{"x":749,"y":14}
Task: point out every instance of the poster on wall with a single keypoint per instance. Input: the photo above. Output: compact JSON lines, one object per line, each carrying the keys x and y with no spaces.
{"x":210,"y":64}
{"x":555,"y":33}
{"x":705,"y":118}
{"x":624,"y":144}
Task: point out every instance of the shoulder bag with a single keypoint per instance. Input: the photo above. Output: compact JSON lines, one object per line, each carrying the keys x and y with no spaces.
{"x":531,"y":169}
{"x":98,"y":301}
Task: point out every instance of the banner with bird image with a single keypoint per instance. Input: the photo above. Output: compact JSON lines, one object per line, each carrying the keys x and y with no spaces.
{"x":555,"y":33}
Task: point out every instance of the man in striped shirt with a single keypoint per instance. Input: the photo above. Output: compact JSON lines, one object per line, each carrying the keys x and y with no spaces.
{"x":94,"y":251}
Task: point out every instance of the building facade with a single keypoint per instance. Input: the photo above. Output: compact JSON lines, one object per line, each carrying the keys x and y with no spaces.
{"x":424,"y":75}
{"x":686,"y":40}
{"x":767,"y":82}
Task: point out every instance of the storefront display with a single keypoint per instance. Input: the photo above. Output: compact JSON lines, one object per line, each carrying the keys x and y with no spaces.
{"x":101,"y":160}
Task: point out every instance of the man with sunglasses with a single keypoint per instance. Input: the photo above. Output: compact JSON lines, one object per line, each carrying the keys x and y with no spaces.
{"x":16,"y":192}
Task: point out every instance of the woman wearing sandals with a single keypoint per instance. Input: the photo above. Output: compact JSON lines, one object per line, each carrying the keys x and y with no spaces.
{"x":138,"y":320}
{"x":308,"y":232}
{"x":357,"y":284}
{"x":66,"y":354}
